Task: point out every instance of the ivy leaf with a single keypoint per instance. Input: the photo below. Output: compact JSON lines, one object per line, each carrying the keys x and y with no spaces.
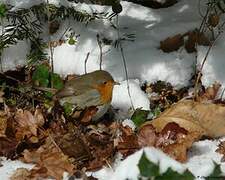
{"x":171,"y":175}
{"x":147,"y":168}
{"x":68,"y":109}
{"x":216,"y":174}
{"x":40,"y":76}
{"x":151,"y":170}
{"x":56,"y":81}
{"x":139,"y":117}
{"x":2,"y":10}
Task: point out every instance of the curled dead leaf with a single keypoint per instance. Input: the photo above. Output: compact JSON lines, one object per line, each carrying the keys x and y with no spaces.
{"x":1,"y":96}
{"x":21,"y":174}
{"x":3,"y":123}
{"x":213,"y":20}
{"x":194,"y":37}
{"x":205,"y":118}
{"x":49,"y":160}
{"x":172,"y":139}
{"x":172,"y":43}
{"x":27,"y":124}
{"x":221,"y":150}
{"x":210,"y":93}
{"x":128,"y":141}
{"x":8,"y":147}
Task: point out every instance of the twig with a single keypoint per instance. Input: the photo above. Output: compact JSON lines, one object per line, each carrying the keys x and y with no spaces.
{"x":9,"y":77}
{"x":51,"y":48}
{"x":202,"y":65}
{"x":85,"y":62}
{"x":100,"y":49}
{"x":124,"y":63}
{"x":22,"y":93}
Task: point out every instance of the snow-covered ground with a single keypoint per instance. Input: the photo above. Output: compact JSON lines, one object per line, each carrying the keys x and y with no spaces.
{"x":145,"y":62}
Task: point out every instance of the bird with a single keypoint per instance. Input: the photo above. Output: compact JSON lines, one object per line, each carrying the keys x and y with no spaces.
{"x":94,"y":89}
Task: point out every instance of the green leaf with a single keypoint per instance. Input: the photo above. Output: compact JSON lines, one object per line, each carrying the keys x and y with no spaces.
{"x":72,"y":41}
{"x":139,"y":117}
{"x":2,"y":10}
{"x":216,"y":174}
{"x":68,"y":109}
{"x":151,"y":170}
{"x":40,"y":76}
{"x":171,"y":175}
{"x":147,"y":168}
{"x":56,"y":81}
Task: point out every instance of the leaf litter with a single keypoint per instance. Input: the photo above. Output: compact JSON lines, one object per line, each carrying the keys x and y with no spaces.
{"x":37,"y":131}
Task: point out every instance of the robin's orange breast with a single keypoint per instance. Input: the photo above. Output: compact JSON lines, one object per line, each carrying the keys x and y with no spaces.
{"x":105,"y":91}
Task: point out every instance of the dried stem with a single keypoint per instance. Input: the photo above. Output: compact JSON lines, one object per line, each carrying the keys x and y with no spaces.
{"x":201,"y":67}
{"x":100,"y":49}
{"x":85,"y":62}
{"x":124,"y":62}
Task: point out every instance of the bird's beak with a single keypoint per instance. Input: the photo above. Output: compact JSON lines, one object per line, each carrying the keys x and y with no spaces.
{"x":116,"y":83}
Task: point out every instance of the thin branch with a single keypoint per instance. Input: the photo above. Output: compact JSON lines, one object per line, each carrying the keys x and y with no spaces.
{"x":124,"y":62}
{"x":100,"y":49}
{"x":85,"y":62}
{"x":201,"y":67}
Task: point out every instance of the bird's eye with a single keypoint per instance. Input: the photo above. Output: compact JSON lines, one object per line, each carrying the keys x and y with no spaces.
{"x":105,"y":82}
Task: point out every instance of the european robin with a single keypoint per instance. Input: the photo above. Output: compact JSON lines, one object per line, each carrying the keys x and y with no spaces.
{"x":89,"y":90}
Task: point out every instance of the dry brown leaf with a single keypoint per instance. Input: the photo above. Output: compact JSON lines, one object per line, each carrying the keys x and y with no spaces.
{"x":210,"y":93}
{"x":172,"y":43}
{"x":147,"y":136}
{"x":7,"y":147}
{"x":21,"y":174}
{"x":73,"y":146}
{"x":49,"y":160}
{"x":213,"y":20}
{"x":178,"y":149}
{"x":27,"y":123}
{"x":194,"y":37}
{"x":128,"y":142}
{"x":3,"y":123}
{"x":205,"y":118}
{"x":1,"y":96}
{"x":221,"y":150}
{"x":173,"y":139}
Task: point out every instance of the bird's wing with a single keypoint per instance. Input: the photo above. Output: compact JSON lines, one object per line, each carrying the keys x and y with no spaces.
{"x":88,"y":98}
{"x":73,"y":87}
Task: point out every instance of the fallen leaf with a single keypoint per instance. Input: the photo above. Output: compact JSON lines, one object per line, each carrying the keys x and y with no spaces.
{"x":21,"y":174}
{"x":210,"y":93}
{"x":27,"y":123}
{"x":128,"y":142}
{"x":1,"y":96}
{"x":8,"y":147}
{"x":3,"y":123}
{"x":205,"y":118}
{"x":194,"y":37}
{"x":172,"y":43}
{"x":221,"y":150}
{"x":147,"y":136}
{"x":213,"y":20}
{"x":73,"y":146}
{"x":49,"y":160}
{"x":172,"y":139}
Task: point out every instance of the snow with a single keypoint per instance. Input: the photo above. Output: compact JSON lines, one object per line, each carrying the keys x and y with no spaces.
{"x":8,"y":167}
{"x":145,"y":62}
{"x":15,"y":55}
{"x":201,"y":160}
{"x":122,"y":101}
